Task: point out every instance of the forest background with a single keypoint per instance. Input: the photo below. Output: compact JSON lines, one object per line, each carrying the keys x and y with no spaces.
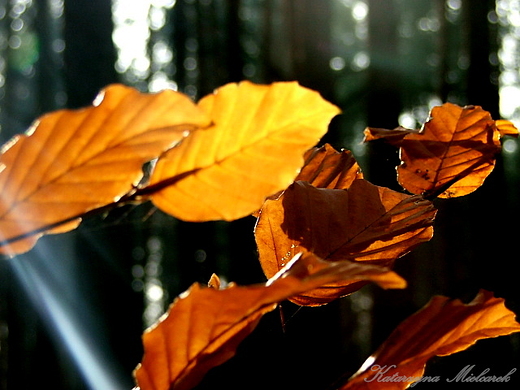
{"x":76,"y":305}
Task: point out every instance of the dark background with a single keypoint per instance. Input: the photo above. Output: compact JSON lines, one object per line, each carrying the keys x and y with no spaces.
{"x":77,"y":295}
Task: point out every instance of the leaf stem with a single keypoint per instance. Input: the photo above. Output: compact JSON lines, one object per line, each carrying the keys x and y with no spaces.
{"x":137,"y":195}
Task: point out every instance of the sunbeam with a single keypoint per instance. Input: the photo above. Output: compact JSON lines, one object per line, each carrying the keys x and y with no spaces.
{"x":62,"y":321}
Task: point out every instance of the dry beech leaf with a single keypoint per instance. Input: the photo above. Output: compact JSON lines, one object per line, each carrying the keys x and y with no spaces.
{"x":316,"y":221}
{"x":443,"y":327}
{"x":254,"y":149}
{"x":506,"y":127}
{"x":327,"y":168}
{"x":348,"y":272}
{"x":73,"y":161}
{"x":394,"y":136}
{"x":204,"y":326}
{"x":362,"y":223}
{"x":453,"y":153}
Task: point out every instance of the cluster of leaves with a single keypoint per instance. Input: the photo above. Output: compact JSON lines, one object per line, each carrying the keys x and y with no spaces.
{"x":322,"y":230}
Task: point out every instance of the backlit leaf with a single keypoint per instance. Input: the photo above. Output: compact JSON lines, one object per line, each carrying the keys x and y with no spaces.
{"x":363,"y":223}
{"x":73,"y":161}
{"x":506,"y":127}
{"x":327,"y":168}
{"x":453,"y":153}
{"x":443,"y":327}
{"x":204,"y":326}
{"x":394,"y":136}
{"x":254,"y":149}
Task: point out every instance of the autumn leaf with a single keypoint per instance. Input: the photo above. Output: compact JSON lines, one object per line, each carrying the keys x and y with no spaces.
{"x":254,"y":149}
{"x":443,"y":327}
{"x":363,"y":223}
{"x":74,"y":161}
{"x":204,"y":325}
{"x":327,"y":168}
{"x":394,"y":137}
{"x":506,"y":127}
{"x":453,"y":153}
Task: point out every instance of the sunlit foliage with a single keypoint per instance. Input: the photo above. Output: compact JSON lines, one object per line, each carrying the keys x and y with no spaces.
{"x":323,"y":231}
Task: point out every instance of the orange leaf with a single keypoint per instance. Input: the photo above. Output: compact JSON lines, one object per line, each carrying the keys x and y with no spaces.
{"x":394,"y":136}
{"x":443,"y":327}
{"x":361,"y":223}
{"x":204,"y":326}
{"x":506,"y":127}
{"x":71,"y":162}
{"x":346,"y":272}
{"x":254,"y":149}
{"x":452,"y":155}
{"x":326,"y":168}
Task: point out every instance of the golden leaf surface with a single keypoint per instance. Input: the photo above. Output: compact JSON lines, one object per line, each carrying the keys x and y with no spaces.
{"x":443,"y":327}
{"x":254,"y":150}
{"x":453,"y":153}
{"x":364,"y":223}
{"x":506,"y":127}
{"x":204,"y":325}
{"x":73,"y":161}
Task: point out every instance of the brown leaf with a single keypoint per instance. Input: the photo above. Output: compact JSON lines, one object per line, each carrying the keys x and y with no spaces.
{"x":393,"y":137}
{"x":361,"y":223}
{"x":443,"y":327}
{"x":339,"y":274}
{"x":204,"y":326}
{"x":327,"y":168}
{"x":254,"y":149}
{"x":452,"y":154}
{"x":73,"y":161}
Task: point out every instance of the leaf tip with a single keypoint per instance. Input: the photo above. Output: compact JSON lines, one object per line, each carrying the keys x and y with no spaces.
{"x":214,"y":282}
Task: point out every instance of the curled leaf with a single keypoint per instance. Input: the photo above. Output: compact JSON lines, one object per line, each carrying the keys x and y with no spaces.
{"x":338,"y":274}
{"x":74,"y":161}
{"x":204,"y":326}
{"x":363,"y":223}
{"x":506,"y":127}
{"x":327,"y":168}
{"x":443,"y":327}
{"x":393,"y":137}
{"x":453,"y":153}
{"x":254,"y":149}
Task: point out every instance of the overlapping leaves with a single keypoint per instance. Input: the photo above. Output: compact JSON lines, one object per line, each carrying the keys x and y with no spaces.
{"x":249,"y":144}
{"x":71,"y":162}
{"x":254,"y":149}
{"x":204,"y":326}
{"x":347,"y":219}
{"x":319,"y":238}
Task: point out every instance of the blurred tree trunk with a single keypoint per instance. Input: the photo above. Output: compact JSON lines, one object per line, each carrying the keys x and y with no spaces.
{"x":293,"y":42}
{"x":384,"y":88}
{"x":482,"y":78}
{"x":89,"y":52}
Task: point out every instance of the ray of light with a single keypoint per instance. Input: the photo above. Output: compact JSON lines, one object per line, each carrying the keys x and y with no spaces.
{"x":61,"y":319}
